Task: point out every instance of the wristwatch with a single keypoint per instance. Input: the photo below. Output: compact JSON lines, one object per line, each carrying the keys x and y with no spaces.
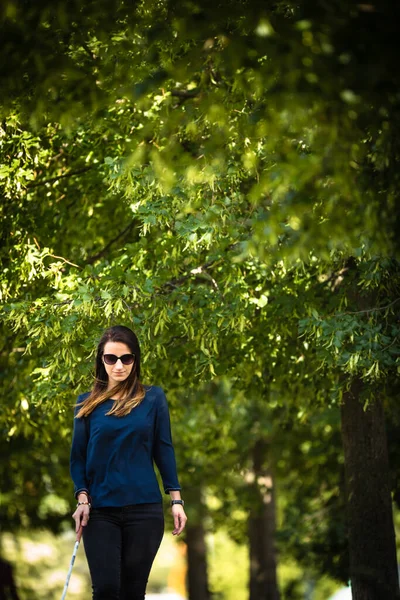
{"x":181,"y":502}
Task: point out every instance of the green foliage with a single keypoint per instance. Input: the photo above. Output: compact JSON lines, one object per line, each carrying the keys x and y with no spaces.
{"x":358,"y":332}
{"x":223,"y":179}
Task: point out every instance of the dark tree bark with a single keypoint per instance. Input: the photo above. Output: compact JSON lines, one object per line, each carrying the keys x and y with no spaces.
{"x":197,"y":562}
{"x":373,"y":564}
{"x":8,"y":590}
{"x":261,"y":528}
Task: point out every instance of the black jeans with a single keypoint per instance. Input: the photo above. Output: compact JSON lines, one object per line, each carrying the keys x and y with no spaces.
{"x":120,"y":546}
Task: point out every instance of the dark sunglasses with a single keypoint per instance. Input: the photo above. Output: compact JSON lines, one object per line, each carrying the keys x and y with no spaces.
{"x":111,"y":359}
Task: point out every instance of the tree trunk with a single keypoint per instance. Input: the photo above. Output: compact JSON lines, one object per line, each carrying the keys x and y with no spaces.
{"x":197,"y":562}
{"x":262,"y":527}
{"x":373,"y":564}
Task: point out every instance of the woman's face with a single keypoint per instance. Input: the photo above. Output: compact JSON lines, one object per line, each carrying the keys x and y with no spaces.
{"x":118,"y":372}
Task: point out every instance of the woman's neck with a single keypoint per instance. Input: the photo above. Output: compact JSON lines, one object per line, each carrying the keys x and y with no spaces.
{"x":116,"y":395}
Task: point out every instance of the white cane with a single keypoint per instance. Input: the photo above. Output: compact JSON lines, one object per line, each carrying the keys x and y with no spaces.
{"x":78,"y":539}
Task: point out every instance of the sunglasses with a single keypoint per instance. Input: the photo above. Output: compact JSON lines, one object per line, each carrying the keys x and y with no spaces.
{"x":111,"y":359}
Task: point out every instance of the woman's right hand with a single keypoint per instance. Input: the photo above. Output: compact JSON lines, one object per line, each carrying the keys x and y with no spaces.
{"x":81,"y":516}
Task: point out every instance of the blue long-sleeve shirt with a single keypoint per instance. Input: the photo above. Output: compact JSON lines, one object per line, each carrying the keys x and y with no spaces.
{"x":112,"y":457}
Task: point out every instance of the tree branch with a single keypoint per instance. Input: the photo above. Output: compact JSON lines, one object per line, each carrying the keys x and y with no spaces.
{"x":368,"y":310}
{"x":175,"y":283}
{"x":70,"y":174}
{"x":65,"y":260}
{"x":186,"y":94}
{"x":102,"y":252}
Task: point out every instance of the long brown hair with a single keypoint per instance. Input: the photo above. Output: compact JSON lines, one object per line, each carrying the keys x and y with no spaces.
{"x":131,"y":390}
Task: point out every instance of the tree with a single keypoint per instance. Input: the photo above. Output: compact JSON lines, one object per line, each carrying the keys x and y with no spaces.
{"x":248,"y":135}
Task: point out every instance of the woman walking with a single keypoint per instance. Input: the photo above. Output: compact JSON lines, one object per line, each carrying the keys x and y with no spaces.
{"x":120,"y":427}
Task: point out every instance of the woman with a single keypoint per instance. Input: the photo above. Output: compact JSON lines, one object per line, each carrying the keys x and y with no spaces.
{"x":119,"y":428}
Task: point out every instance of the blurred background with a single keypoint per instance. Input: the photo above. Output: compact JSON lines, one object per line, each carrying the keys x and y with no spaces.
{"x":223,"y":178}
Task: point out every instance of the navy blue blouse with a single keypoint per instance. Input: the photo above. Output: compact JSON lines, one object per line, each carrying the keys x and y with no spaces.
{"x":112,"y":457}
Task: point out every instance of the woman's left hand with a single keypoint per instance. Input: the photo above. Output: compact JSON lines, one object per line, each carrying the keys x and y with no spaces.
{"x":180,"y":518}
